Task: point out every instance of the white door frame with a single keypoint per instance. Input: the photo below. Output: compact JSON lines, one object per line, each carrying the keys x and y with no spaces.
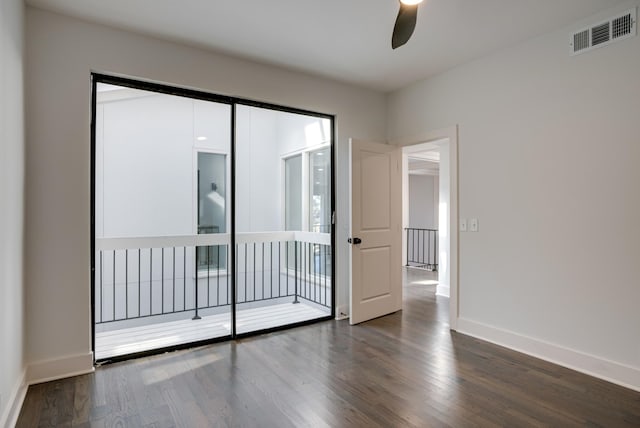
{"x":451,"y":134}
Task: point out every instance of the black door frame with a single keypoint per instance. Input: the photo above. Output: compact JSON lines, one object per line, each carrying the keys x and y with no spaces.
{"x":233,"y":102}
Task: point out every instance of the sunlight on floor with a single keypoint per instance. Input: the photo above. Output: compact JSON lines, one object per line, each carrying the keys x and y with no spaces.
{"x":425,"y":282}
{"x":169,"y":370}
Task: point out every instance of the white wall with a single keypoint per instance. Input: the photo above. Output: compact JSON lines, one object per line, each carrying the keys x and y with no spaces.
{"x":436,"y":197}
{"x":11,"y":205}
{"x":534,"y":126}
{"x":61,"y":52}
{"x":422,"y":201}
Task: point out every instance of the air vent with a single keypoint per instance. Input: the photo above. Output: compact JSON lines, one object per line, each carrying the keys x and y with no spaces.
{"x":602,"y":34}
{"x":622,"y":26}
{"x":581,"y":41}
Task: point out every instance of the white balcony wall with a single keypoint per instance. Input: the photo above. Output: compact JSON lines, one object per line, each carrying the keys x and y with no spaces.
{"x":145,"y":162}
{"x":145,"y":166}
{"x":258,"y":177}
{"x":263,"y":138}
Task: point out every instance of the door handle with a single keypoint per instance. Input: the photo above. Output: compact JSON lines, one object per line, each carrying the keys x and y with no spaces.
{"x":354,"y":241}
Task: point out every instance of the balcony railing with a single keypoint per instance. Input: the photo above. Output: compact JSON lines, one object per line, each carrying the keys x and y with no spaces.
{"x":422,"y":248}
{"x":146,"y":277}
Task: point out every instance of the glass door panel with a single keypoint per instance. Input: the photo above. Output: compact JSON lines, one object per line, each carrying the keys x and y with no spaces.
{"x":281,"y":271}
{"x":149,"y":287}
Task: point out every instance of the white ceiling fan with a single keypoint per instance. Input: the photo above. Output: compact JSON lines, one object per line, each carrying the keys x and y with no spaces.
{"x":405,"y":22}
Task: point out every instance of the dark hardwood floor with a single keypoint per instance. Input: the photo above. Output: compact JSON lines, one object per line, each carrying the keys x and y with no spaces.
{"x":406,"y":369}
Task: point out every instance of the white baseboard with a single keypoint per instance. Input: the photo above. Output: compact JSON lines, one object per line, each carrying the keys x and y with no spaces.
{"x":72,"y":365}
{"x":443,"y":290}
{"x":9,"y":417}
{"x":39,"y":372}
{"x":601,"y":368}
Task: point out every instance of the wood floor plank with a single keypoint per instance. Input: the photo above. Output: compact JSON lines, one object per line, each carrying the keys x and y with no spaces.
{"x":403,"y":370}
{"x":82,"y":400}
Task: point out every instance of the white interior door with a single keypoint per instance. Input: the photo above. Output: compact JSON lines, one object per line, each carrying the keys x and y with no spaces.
{"x":376,"y":235}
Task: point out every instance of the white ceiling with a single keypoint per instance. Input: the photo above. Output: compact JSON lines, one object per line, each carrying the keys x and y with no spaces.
{"x":346,"y":40}
{"x":423,"y":168}
{"x":424,"y":163}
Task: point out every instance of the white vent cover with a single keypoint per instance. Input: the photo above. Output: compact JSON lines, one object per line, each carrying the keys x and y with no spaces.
{"x":618,"y":28}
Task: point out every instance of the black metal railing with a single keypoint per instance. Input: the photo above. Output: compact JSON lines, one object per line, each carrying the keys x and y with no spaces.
{"x":422,"y":248}
{"x":145,"y":282}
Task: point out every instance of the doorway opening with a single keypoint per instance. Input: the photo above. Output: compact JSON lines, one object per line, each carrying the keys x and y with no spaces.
{"x":429,"y":213}
{"x":201,"y":229}
{"x":421,"y":231}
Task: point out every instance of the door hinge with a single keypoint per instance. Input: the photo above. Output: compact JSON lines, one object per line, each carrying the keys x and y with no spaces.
{"x":333,"y":218}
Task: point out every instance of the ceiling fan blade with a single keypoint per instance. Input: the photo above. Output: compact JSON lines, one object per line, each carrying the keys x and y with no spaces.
{"x":405,"y":24}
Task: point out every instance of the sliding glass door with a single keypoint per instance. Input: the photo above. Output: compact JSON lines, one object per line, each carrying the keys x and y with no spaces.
{"x":204,"y":230}
{"x":160,"y":220}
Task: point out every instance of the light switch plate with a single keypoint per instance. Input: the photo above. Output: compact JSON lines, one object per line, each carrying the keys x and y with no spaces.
{"x":473,"y":224}
{"x":463,"y":225}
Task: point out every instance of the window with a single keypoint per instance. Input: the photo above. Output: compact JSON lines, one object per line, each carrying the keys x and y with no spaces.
{"x":307,"y":189}
{"x":320,"y":191}
{"x":211,"y":210}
